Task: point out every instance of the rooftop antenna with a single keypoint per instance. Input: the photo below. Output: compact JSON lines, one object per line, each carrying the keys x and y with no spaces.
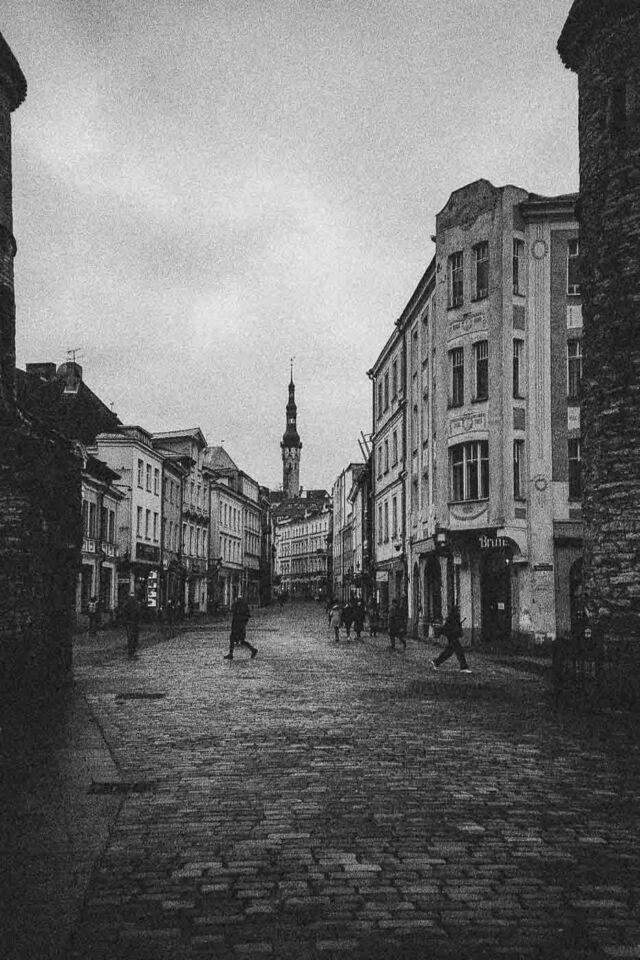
{"x":73,"y":354}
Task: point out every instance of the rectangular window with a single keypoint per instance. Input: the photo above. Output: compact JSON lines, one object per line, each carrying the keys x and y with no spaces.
{"x":147,"y":524}
{"x":139,"y":523}
{"x":394,"y":447}
{"x":481,"y":352}
{"x":455,"y":267}
{"x":386,"y":391}
{"x":386,"y":456}
{"x":380,"y":398}
{"x":575,"y":469}
{"x":574,"y":368}
{"x":155,"y":526}
{"x":518,"y":470}
{"x":379,"y":461}
{"x":518,"y":267}
{"x":481,"y":270}
{"x":149,"y":477}
{"x":456,"y":362}
{"x":112,"y":526}
{"x":573,"y":268}
{"x":92,"y":520}
{"x":394,"y":379}
{"x":386,"y":520}
{"x":394,"y":517}
{"x":518,"y":353}
{"x":140,"y":473}
{"x":156,"y":481}
{"x":469,"y":470}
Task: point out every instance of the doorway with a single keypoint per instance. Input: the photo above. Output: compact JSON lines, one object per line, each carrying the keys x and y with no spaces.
{"x":495,"y":592}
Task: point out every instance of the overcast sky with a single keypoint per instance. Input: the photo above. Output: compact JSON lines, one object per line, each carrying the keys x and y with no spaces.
{"x":205,"y":188}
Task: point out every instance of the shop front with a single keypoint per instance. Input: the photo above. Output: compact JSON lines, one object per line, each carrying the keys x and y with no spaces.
{"x":481,"y":573}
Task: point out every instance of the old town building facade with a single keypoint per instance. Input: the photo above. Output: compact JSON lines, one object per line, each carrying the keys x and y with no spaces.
{"x":490,"y":349}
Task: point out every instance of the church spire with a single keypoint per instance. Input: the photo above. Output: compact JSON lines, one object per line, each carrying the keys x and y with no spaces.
{"x":291,"y":446}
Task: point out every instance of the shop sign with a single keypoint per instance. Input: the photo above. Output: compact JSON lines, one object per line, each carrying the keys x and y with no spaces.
{"x":145,"y":551}
{"x":493,"y":543}
{"x":543,"y":567}
{"x":152,"y":588}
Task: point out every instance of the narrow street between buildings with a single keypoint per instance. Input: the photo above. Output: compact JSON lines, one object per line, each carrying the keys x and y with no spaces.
{"x":344,"y":800}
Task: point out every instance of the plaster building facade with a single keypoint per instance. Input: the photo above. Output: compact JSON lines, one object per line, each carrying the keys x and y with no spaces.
{"x":98,"y":575}
{"x":301,"y":550}
{"x":601,"y":44}
{"x":190,"y":446}
{"x":173,"y":576}
{"x":130,"y":453}
{"x":236,"y":530}
{"x":343,"y":563}
{"x":492,"y":342}
{"x":389,"y":470}
{"x":361,"y":532}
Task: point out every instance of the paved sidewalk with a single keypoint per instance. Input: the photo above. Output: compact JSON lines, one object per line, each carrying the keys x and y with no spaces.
{"x":342,"y":800}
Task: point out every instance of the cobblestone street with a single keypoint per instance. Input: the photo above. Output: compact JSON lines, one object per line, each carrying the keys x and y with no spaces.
{"x":343,"y":800}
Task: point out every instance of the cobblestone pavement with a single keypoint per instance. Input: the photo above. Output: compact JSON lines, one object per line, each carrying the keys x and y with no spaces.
{"x":341,"y":800}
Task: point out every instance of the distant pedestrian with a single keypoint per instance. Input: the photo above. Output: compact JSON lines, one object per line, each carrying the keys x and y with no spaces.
{"x":347,"y":617}
{"x":93,"y":610}
{"x":358,"y":618}
{"x":452,"y":630}
{"x":396,"y":625}
{"x":240,"y":615}
{"x":335,"y":620}
{"x":131,"y":617}
{"x":372,"y":614}
{"x":281,"y":599}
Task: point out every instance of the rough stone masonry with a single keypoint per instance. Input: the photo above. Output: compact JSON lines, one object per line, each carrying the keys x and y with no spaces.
{"x":40,"y":533}
{"x":601,"y":43}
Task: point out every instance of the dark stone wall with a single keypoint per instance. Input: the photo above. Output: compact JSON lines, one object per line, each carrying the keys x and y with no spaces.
{"x":40,"y":538}
{"x":609,"y":122}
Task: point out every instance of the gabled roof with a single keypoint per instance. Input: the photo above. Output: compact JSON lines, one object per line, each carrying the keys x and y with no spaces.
{"x":217,"y":458}
{"x":78,"y":415}
{"x":190,"y":433}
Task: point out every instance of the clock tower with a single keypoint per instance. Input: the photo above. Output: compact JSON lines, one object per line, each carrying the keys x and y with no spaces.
{"x":291,"y":447}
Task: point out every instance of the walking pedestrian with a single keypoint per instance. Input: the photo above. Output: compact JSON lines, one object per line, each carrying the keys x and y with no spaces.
{"x":396,"y":625}
{"x":92,"y":610}
{"x":358,"y":618}
{"x":131,"y":617}
{"x":240,"y":615}
{"x":452,"y":630}
{"x":347,"y":617}
{"x":335,"y":620}
{"x":372,"y":614}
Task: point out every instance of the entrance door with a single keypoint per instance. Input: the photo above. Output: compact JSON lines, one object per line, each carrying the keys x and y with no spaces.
{"x":495,"y":588}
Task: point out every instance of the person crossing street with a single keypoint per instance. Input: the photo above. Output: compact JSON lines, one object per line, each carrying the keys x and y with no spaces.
{"x":452,"y":630}
{"x":240,"y":615}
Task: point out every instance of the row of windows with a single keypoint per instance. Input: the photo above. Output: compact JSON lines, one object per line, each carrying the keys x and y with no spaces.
{"x":383,"y":454}
{"x":383,"y":389}
{"x":106,"y":530}
{"x":150,"y":530}
{"x":480,"y":271}
{"x":469,"y":470}
{"x":383,"y":520}
{"x":152,"y":475}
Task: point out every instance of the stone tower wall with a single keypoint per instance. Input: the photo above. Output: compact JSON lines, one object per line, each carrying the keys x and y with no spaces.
{"x":602,"y":43}
{"x":40,"y":490}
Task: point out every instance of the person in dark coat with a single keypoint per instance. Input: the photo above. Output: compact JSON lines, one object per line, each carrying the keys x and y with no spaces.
{"x":452,"y":630}
{"x":131,"y":616}
{"x":240,"y":614}
{"x":372,"y":613}
{"x":396,"y":625}
{"x":358,"y":618}
{"x":347,"y":617}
